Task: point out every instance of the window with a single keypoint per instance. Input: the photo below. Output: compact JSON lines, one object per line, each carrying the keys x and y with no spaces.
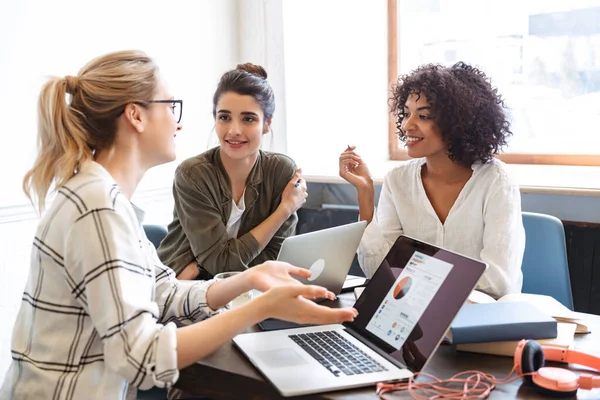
{"x":543,"y":55}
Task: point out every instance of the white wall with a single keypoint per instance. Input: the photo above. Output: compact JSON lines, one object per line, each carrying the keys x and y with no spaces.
{"x":260,"y":41}
{"x":193,"y":42}
{"x":336,"y":81}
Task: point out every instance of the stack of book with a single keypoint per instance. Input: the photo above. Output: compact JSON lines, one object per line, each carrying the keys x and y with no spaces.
{"x":485,"y":325}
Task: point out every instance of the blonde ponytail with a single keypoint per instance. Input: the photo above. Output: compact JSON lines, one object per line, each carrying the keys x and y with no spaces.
{"x":61,"y":144}
{"x":69,"y":131}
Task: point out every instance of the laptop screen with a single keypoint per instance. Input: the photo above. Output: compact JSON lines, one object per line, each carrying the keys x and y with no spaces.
{"x":413,"y":297}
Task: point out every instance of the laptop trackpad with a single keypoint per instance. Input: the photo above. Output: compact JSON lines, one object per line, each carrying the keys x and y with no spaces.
{"x":281,"y":358}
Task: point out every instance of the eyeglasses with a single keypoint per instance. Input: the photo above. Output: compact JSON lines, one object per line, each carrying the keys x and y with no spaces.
{"x":176,"y":107}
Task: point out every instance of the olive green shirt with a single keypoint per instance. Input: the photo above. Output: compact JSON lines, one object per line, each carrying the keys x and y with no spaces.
{"x":203,"y":200}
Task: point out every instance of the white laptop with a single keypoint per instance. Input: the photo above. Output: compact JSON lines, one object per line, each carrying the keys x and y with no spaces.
{"x":327,"y":253}
{"x":404,"y":312}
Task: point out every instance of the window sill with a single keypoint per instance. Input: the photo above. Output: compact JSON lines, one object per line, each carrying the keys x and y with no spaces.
{"x":533,"y":179}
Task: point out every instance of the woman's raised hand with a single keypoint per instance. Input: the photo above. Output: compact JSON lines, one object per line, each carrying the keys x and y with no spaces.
{"x":295,"y":194}
{"x":354,"y":170}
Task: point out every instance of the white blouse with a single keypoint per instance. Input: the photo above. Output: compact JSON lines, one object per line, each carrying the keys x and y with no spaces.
{"x":484,"y":223}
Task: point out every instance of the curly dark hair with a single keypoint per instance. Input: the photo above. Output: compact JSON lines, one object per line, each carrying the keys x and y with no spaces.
{"x":464,"y":105}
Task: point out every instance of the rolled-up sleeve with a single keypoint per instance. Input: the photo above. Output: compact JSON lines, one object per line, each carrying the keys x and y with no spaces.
{"x":113,"y":279}
{"x":181,"y":301}
{"x":288,"y":228}
{"x":283,"y":169}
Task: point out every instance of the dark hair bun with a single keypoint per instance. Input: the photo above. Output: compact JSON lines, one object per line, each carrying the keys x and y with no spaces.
{"x":253,"y":69}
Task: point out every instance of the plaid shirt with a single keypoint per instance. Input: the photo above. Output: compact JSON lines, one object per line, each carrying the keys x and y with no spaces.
{"x":98,"y":308}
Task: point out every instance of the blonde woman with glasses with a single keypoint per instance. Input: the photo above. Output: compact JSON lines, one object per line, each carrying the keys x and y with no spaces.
{"x":98,"y":309}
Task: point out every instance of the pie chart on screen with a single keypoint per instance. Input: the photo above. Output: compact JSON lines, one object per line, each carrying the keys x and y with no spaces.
{"x":402,"y":287}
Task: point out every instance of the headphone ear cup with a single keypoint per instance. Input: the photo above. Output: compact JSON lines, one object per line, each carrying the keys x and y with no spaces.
{"x":532,"y":359}
{"x":555,"y":382}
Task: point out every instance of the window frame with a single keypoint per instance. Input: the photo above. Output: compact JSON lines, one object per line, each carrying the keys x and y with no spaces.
{"x":398,"y":154}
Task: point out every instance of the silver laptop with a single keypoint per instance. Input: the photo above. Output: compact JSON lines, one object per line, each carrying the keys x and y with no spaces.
{"x":404,"y":312}
{"x":327,"y":253}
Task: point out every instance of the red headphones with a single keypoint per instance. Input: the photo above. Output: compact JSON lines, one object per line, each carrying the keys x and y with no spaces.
{"x":530,"y":358}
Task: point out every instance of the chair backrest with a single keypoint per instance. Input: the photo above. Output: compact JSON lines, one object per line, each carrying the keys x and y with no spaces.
{"x":545,"y":265}
{"x":155,"y":233}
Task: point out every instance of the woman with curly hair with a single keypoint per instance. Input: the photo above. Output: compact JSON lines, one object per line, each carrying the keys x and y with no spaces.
{"x":454,"y":193}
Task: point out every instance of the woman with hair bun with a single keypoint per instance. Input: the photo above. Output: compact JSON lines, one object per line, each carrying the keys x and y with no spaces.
{"x":235,"y":203}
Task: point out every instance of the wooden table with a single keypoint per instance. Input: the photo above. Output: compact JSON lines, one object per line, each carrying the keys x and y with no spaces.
{"x":227,"y":374}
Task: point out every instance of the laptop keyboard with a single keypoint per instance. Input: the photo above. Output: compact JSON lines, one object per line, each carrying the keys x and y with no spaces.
{"x":336,"y":354}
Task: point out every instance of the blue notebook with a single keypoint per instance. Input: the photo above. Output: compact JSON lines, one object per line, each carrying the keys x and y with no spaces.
{"x":496,"y":322}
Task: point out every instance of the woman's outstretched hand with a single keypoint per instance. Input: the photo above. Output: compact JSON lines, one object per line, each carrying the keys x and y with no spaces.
{"x":288,"y":299}
{"x":272,"y":274}
{"x":294,"y":303}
